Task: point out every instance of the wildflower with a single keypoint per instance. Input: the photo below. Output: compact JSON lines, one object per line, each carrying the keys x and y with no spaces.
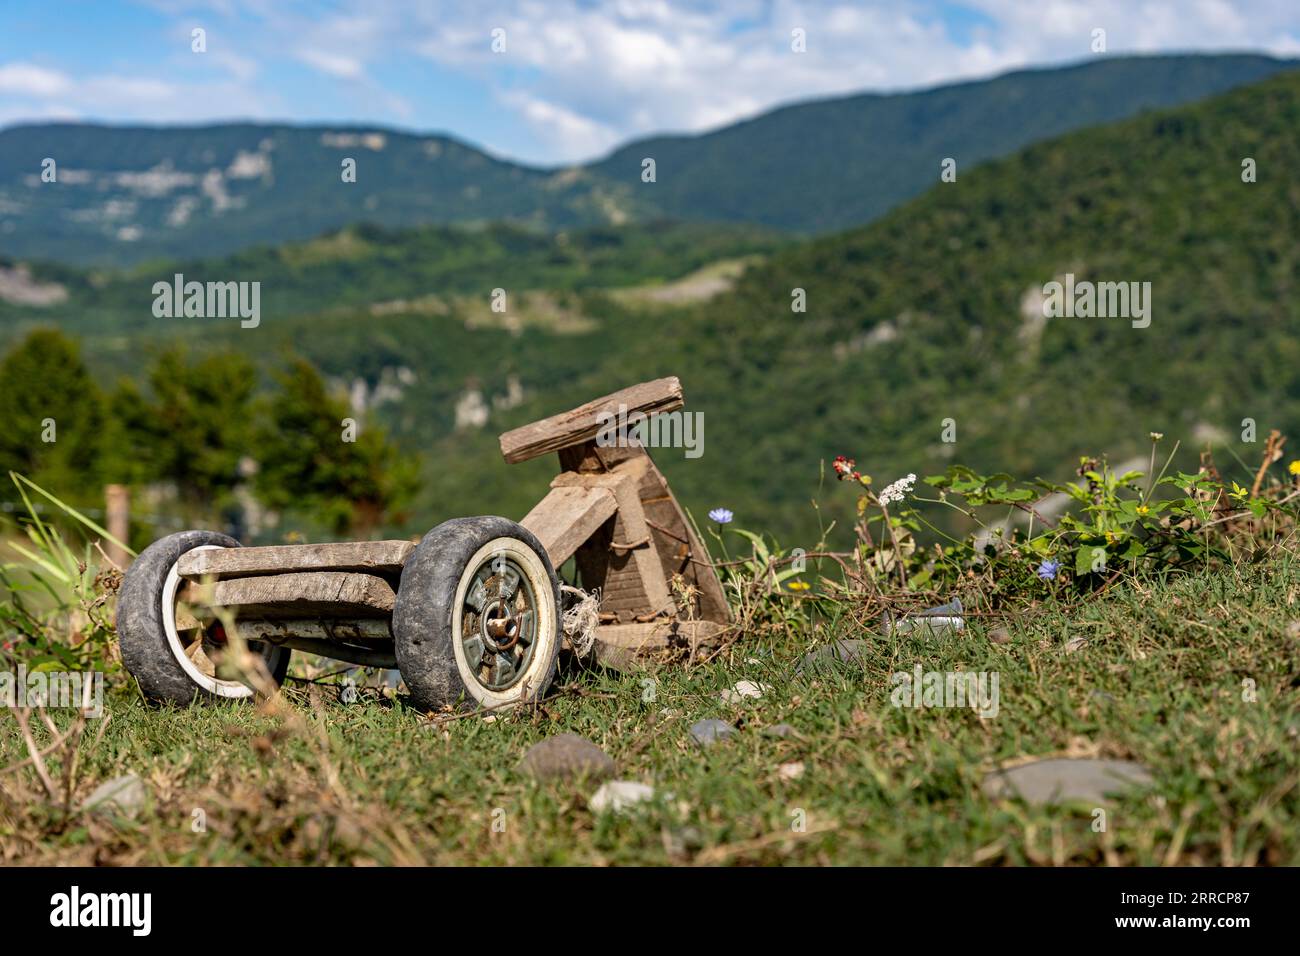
{"x":897,"y":491}
{"x":1156,"y":436}
{"x":799,"y":585}
{"x":721,"y":515}
{"x":844,"y":467}
{"x":1047,"y":570}
{"x":1143,"y":510}
{"x":1294,"y":467}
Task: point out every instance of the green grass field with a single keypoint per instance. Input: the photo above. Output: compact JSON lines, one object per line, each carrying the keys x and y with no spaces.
{"x":1194,"y":676}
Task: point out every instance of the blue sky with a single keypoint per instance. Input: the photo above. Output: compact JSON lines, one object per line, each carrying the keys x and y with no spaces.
{"x":575,"y":77}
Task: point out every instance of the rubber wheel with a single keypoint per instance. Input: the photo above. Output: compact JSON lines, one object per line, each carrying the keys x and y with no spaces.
{"x":146,"y":612}
{"x":477,"y":616}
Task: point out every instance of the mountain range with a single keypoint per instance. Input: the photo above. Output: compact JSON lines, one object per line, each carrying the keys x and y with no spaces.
{"x":122,"y":195}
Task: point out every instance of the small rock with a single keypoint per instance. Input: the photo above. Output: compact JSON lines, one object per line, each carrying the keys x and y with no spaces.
{"x":566,"y":755}
{"x":1075,"y":644}
{"x":490,"y":718}
{"x":790,"y":771}
{"x":1058,"y":780}
{"x":838,"y":654}
{"x":742,"y":690}
{"x":348,"y":834}
{"x":679,"y":841}
{"x":778,"y":730}
{"x":690,"y":838}
{"x":709,"y":731}
{"x":618,"y":796}
{"x":125,"y":795}
{"x":1293,"y":629}
{"x":1000,"y":635}
{"x":438,"y":727}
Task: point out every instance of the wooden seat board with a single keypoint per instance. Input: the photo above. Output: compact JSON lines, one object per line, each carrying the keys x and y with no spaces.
{"x":373,"y":557}
{"x":298,"y":595}
{"x":585,"y":422}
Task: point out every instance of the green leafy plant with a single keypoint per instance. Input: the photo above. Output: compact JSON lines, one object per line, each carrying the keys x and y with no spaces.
{"x":54,"y":615}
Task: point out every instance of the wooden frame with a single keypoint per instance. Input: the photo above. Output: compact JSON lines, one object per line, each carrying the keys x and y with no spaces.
{"x":611,"y":510}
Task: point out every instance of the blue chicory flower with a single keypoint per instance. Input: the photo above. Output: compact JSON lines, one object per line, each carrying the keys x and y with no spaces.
{"x":721,"y":515}
{"x":1047,"y":570}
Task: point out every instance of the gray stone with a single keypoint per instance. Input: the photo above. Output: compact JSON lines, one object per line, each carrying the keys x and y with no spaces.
{"x":620,"y":796}
{"x":778,"y":730}
{"x":682,"y":840}
{"x":790,"y":771}
{"x":839,"y":654}
{"x":709,"y":731}
{"x":1060,"y":780}
{"x":1000,"y":635}
{"x":743,"y":690}
{"x":564,"y":756}
{"x":931,"y":621}
{"x":125,"y":795}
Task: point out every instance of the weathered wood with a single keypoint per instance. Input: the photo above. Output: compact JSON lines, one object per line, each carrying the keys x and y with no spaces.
{"x":374,"y":557}
{"x":626,"y":568}
{"x":117,"y":515}
{"x":587,"y":421}
{"x":567,"y":517}
{"x":300,"y":594}
{"x":619,"y":645}
{"x":688,"y":557}
{"x":675,"y":543}
{"x":362,"y":656}
{"x":361,"y":631}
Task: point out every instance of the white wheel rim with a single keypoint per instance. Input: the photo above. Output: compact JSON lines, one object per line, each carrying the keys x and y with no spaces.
{"x":232,"y":689}
{"x":545,"y":641}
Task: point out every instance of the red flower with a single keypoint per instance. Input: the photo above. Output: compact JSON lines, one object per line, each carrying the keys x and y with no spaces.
{"x":844,"y":467}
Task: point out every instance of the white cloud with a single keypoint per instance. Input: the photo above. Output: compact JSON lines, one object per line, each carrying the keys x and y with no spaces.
{"x":334,"y":64}
{"x":26,"y":79}
{"x":562,"y":128}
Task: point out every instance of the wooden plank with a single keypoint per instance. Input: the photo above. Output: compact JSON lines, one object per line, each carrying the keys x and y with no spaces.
{"x":363,"y":656}
{"x":374,"y":557}
{"x":585,"y":422}
{"x":679,"y":549}
{"x":688,"y":558}
{"x":278,"y":631}
{"x":619,"y":645}
{"x":631,"y":580}
{"x":635,"y":577}
{"x":300,"y":594}
{"x":567,"y":517}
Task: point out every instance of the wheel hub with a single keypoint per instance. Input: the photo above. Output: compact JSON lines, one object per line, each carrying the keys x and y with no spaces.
{"x":499,"y":623}
{"x":499,"y":628}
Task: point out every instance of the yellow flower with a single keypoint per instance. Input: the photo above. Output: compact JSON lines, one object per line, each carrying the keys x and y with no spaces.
{"x":1294,"y":467}
{"x":1143,"y":509}
{"x":799,"y":585}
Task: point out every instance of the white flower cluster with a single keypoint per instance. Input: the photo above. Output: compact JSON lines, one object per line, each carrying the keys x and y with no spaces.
{"x":898,"y":490}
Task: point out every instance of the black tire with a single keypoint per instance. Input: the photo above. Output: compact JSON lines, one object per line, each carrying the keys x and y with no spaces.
{"x":426,"y":609}
{"x":142,"y":632}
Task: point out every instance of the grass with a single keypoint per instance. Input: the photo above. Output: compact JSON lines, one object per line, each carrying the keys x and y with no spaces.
{"x":310,"y":780}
